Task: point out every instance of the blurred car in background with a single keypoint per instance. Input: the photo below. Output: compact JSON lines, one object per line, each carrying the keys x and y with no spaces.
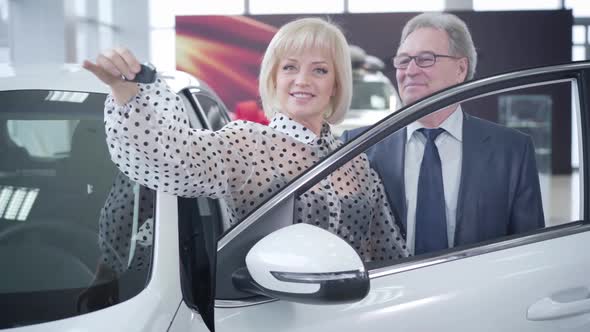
{"x":373,"y":95}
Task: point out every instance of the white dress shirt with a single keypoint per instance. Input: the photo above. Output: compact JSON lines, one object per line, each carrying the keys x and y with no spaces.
{"x":451,"y":153}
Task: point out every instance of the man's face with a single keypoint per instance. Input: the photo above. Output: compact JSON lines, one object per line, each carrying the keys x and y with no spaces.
{"x":415,"y":82}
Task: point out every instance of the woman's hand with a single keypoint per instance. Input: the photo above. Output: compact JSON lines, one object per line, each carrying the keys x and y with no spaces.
{"x":111,"y":66}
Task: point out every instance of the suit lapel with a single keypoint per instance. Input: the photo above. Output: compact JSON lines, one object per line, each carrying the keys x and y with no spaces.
{"x":393,"y":171}
{"x":400,"y":174}
{"x":473,"y":167}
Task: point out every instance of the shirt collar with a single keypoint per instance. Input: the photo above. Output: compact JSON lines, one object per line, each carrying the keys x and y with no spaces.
{"x":323,"y":144}
{"x":452,"y":125}
{"x":294,"y":129}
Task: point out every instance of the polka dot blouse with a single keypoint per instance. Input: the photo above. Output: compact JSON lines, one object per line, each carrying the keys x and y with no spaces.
{"x":245,"y":163}
{"x":122,"y":233}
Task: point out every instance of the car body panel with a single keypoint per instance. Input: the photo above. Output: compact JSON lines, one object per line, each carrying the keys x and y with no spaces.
{"x":374,"y":97}
{"x":67,"y":77}
{"x":72,"y":77}
{"x":187,"y":319}
{"x":154,"y":308}
{"x":490,"y":292}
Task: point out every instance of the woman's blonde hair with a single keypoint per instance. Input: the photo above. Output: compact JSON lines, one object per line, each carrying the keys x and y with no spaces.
{"x":297,"y":37}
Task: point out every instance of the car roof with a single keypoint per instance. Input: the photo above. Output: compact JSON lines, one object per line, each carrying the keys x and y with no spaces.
{"x":72,"y":77}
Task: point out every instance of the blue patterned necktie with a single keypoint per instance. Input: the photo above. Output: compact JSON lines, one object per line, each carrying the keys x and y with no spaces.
{"x":431,"y":220}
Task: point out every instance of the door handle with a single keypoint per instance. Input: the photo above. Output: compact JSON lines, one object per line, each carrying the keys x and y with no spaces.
{"x":565,"y":304}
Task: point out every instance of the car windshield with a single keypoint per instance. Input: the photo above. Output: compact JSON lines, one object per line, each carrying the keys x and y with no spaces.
{"x":370,"y":95}
{"x":75,"y":234}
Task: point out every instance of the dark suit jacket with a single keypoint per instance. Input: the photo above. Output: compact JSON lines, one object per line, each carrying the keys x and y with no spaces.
{"x":499,"y":193}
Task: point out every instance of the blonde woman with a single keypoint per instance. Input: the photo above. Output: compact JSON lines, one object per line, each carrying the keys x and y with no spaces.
{"x":305,"y":85}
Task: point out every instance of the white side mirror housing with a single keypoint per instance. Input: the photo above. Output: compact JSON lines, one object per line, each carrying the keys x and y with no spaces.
{"x":307,"y":264}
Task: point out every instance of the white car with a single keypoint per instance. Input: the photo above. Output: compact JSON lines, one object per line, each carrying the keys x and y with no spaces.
{"x":84,"y":249}
{"x":373,"y":96}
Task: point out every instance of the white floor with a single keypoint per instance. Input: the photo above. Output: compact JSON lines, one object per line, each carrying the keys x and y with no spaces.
{"x":561,"y":198}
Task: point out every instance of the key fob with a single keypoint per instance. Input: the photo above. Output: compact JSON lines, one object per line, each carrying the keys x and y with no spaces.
{"x":146,"y":75}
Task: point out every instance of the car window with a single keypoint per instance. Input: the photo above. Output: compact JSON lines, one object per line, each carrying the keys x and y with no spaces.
{"x":543,"y":114}
{"x":76,"y":235}
{"x":506,"y":196}
{"x":213,"y":111}
{"x":42,"y":138}
{"x":501,"y":178}
{"x":370,"y":96}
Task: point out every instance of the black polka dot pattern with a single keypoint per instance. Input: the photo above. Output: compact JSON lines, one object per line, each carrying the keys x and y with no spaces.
{"x":117,"y":237}
{"x":245,"y":163}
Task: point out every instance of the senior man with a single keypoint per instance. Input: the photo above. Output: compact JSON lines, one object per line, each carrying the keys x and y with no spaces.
{"x":452,"y":178}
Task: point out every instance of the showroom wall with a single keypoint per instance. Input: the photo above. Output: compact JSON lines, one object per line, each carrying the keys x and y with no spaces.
{"x":72,"y":30}
{"x":225,"y":52}
{"x":49,"y":31}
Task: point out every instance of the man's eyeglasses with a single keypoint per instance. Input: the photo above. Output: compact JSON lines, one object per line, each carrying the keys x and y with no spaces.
{"x":423,"y":60}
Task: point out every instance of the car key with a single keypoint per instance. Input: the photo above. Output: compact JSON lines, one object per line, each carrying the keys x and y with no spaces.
{"x":146,"y":75}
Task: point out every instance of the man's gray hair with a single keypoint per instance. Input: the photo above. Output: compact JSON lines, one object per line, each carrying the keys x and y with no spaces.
{"x":460,"y":42}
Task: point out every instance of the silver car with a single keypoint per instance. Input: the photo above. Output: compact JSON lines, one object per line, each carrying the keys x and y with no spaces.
{"x":373,"y":95}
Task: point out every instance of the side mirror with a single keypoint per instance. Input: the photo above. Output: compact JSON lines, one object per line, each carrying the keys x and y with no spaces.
{"x":306,"y":264}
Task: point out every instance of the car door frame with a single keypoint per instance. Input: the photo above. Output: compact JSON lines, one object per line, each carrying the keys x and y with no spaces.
{"x":277,"y":211}
{"x":197,"y":239}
